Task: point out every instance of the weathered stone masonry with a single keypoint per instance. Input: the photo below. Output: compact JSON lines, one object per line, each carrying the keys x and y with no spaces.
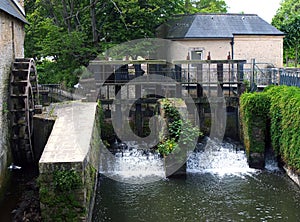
{"x":11,"y":46}
{"x":69,"y":163}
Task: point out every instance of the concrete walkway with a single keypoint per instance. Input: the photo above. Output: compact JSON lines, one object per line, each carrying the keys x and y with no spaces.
{"x":71,"y":135}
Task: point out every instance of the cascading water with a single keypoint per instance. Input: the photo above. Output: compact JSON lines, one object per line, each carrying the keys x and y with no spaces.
{"x":271,"y":161}
{"x":221,"y":158}
{"x":219,"y":187}
{"x":134,"y":162}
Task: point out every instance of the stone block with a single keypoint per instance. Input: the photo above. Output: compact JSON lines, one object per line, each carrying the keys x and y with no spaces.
{"x":256,"y":160}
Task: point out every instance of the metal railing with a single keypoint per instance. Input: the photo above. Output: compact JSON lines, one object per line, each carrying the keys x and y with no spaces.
{"x":56,"y":92}
{"x":290,"y":77}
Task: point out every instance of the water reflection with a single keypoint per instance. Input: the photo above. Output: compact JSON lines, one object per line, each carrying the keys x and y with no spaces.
{"x":202,"y":197}
{"x":219,"y":187}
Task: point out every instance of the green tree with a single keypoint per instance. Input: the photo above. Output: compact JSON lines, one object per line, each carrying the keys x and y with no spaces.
{"x":205,"y":6}
{"x":72,"y":32}
{"x":57,"y":35}
{"x":287,"y":19}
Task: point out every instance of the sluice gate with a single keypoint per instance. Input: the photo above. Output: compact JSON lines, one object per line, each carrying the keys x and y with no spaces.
{"x":134,"y":87}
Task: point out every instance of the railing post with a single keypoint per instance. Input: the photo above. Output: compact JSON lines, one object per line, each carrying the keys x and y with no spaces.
{"x":220,"y":79}
{"x":252,"y":80}
{"x":138,"y":105}
{"x":178,"y":74}
{"x":240,"y":77}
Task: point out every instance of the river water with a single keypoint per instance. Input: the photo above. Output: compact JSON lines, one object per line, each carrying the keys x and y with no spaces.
{"x":219,"y":187}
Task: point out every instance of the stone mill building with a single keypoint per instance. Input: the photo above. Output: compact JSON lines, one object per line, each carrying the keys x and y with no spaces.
{"x":243,"y":36}
{"x":12,"y":33}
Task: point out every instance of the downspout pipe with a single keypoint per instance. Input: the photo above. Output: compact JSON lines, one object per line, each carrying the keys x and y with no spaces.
{"x":232,"y":48}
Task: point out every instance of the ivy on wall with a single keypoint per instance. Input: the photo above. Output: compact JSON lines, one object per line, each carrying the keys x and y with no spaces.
{"x":59,"y":195}
{"x":254,"y":112}
{"x":285,"y":123}
{"x":180,"y":134}
{"x":281,"y":106}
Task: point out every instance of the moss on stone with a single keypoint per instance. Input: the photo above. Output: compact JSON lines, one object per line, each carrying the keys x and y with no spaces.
{"x":59,"y":196}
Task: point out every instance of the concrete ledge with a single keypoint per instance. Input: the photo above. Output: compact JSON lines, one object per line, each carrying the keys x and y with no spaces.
{"x":69,"y":164}
{"x":71,"y":135}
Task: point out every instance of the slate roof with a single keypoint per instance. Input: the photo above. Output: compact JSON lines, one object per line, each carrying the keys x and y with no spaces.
{"x":10,"y":7}
{"x":215,"y":26}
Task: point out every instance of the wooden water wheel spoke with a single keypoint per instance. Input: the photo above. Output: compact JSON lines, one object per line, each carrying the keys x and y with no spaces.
{"x":23,"y":98}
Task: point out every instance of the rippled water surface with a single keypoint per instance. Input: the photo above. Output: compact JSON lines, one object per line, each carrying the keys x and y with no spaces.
{"x":218,"y":192}
{"x":201,"y":197}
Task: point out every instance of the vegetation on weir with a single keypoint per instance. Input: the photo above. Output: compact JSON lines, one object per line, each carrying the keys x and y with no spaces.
{"x":281,"y":106}
{"x":254,"y":108}
{"x":181,"y":134}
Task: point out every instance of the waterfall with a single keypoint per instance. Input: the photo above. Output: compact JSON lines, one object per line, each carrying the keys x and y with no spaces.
{"x":134,"y":163}
{"x":271,"y":160}
{"x":220,"y":158}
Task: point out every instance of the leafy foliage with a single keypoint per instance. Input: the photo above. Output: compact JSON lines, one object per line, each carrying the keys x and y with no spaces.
{"x":285,"y":123}
{"x":205,"y":6}
{"x":281,"y":105}
{"x":211,"y":6}
{"x":254,"y":108}
{"x":72,"y":32}
{"x":167,"y":147}
{"x":57,"y":196}
{"x":287,"y":19}
{"x":181,"y":134}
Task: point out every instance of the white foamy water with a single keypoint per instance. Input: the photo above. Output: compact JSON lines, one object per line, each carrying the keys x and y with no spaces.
{"x":220,"y":158}
{"x":135,"y":163}
{"x":271,"y":162}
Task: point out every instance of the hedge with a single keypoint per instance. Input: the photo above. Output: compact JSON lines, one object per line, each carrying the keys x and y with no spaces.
{"x":254,"y":108}
{"x":280,"y":105}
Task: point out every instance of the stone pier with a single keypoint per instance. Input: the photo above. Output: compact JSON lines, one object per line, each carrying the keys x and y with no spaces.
{"x":69,"y":164}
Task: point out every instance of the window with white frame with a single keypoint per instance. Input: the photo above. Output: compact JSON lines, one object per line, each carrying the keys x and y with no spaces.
{"x":197,"y":54}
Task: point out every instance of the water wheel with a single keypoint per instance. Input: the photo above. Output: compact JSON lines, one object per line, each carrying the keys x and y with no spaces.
{"x":23,"y":98}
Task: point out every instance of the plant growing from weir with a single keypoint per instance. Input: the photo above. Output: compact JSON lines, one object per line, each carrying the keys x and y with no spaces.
{"x":180,"y":134}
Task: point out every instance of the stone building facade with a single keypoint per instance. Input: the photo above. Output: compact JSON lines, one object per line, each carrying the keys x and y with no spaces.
{"x":244,"y":36}
{"x":12,"y":22}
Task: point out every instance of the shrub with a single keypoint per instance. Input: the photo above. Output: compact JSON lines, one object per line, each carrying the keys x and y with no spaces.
{"x":280,"y":105}
{"x":66,"y":180}
{"x":254,"y":109}
{"x":285,"y":123}
{"x":181,"y":134}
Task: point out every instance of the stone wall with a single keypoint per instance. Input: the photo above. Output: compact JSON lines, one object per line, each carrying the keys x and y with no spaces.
{"x":43,"y":126}
{"x":218,"y":48}
{"x":265,"y":49}
{"x":11,"y":46}
{"x":69,"y":164}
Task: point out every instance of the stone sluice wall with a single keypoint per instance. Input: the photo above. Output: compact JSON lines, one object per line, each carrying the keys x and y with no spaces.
{"x":69,"y":163}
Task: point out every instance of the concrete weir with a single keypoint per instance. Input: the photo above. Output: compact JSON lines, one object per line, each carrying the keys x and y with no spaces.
{"x":69,"y":164}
